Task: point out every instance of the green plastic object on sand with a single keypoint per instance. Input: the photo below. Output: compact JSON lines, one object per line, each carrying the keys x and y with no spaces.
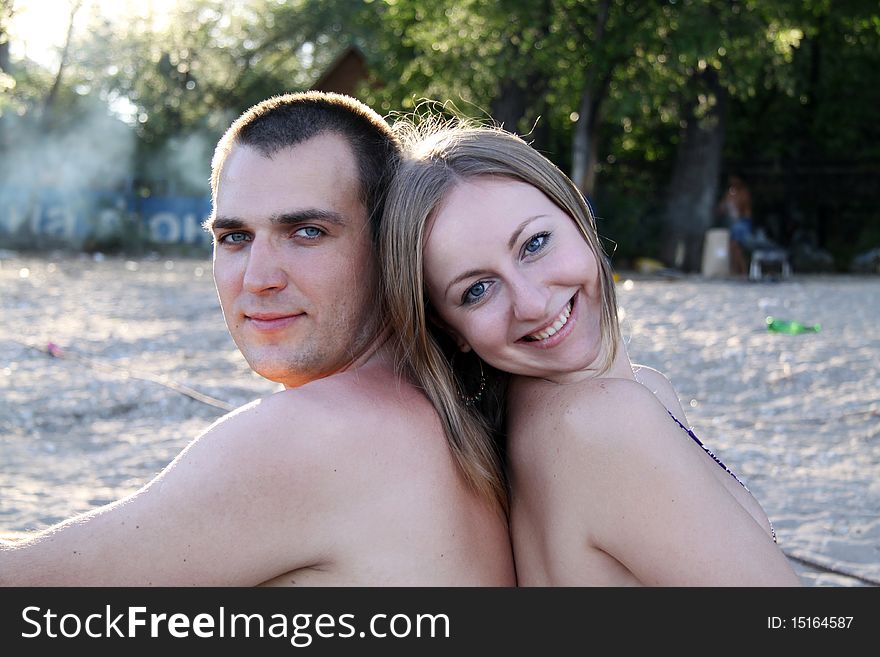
{"x":792,"y":328}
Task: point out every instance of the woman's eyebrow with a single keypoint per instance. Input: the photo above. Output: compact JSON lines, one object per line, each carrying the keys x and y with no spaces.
{"x":461,"y":277}
{"x":519,"y":229}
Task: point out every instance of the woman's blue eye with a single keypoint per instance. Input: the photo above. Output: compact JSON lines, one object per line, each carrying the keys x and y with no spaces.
{"x":474,"y":292}
{"x":536,"y":243}
{"x":310,"y":232}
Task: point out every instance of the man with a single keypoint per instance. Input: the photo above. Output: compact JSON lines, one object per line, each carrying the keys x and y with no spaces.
{"x":345,"y":478}
{"x":736,"y":207}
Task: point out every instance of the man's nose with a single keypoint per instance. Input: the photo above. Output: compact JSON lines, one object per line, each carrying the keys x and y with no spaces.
{"x":263,"y":272}
{"x":530,"y":299}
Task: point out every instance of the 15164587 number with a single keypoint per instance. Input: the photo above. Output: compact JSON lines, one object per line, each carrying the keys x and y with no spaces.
{"x":809,"y":622}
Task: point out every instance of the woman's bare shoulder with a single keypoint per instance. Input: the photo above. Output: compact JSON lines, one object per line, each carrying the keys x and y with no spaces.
{"x":642,"y":492}
{"x":662,"y":388}
{"x":606,"y":410}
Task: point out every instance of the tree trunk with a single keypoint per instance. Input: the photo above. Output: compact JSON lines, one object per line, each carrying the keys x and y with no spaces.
{"x":583,"y":146}
{"x":581,"y":141}
{"x":510,"y":105}
{"x":49,"y":102}
{"x":521,"y":95}
{"x":6,"y":12}
{"x":694,"y":186}
{"x":4,"y":53}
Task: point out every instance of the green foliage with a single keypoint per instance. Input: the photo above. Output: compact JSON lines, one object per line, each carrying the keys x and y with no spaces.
{"x":799,"y":80}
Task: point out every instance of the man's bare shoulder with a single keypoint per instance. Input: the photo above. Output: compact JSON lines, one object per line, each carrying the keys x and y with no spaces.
{"x":356,"y":428}
{"x":293,"y":469}
{"x":348,"y":407}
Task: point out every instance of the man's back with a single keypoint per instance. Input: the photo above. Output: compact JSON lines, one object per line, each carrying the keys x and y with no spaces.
{"x":390,"y":505}
{"x":346,"y":481}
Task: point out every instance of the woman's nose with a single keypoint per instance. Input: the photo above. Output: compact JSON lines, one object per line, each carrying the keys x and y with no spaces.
{"x":529,"y":299}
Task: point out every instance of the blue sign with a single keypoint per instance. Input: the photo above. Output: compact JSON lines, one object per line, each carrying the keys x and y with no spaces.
{"x":72,"y":217}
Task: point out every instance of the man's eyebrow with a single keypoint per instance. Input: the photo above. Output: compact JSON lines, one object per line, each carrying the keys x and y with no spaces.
{"x":281,"y":219}
{"x":220,"y":223}
{"x":311,"y":214}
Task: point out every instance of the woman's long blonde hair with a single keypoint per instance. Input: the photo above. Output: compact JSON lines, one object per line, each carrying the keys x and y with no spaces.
{"x":438,"y":156}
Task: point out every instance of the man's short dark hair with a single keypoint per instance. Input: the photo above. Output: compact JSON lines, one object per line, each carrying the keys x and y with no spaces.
{"x":284,"y":121}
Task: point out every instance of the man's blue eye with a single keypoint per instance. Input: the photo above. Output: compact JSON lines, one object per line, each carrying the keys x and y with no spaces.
{"x":310,"y":232}
{"x":234,"y":237}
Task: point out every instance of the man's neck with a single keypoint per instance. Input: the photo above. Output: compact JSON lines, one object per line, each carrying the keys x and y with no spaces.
{"x":375,"y":352}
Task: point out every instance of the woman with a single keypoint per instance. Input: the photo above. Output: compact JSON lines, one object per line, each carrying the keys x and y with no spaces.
{"x":498,"y":286}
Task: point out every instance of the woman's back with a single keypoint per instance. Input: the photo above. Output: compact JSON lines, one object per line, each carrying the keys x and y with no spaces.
{"x":607,"y":489}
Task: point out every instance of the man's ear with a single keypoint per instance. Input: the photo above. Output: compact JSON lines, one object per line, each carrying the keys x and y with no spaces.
{"x":462,"y":344}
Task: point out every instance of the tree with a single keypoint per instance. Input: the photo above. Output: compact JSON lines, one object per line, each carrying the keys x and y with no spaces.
{"x":182,"y":82}
{"x":6,"y":13}
{"x":808,"y":131}
{"x":52,"y":95}
{"x":721,"y":50}
{"x":7,"y":81}
{"x":693,"y":188}
{"x":643,"y":103}
{"x":603,"y":38}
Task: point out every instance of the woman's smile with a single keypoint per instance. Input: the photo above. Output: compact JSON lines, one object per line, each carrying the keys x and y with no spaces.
{"x":555,"y":332}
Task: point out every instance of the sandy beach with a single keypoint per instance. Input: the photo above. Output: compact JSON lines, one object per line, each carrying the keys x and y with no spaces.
{"x":796,"y":416}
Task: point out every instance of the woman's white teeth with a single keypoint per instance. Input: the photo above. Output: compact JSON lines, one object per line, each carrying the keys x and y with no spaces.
{"x":553,"y":328}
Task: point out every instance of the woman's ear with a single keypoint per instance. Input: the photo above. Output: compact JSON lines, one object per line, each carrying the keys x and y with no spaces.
{"x":462,"y":344}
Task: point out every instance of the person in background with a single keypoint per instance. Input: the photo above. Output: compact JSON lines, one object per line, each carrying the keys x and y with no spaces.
{"x":736,"y":208}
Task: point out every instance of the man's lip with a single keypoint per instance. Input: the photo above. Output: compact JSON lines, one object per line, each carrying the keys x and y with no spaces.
{"x":266,"y":317}
{"x":271,"y":321}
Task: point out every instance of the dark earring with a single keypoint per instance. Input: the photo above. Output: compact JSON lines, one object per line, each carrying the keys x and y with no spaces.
{"x":470,"y":400}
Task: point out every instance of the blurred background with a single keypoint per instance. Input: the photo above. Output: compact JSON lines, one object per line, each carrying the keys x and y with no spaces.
{"x":109,"y":109}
